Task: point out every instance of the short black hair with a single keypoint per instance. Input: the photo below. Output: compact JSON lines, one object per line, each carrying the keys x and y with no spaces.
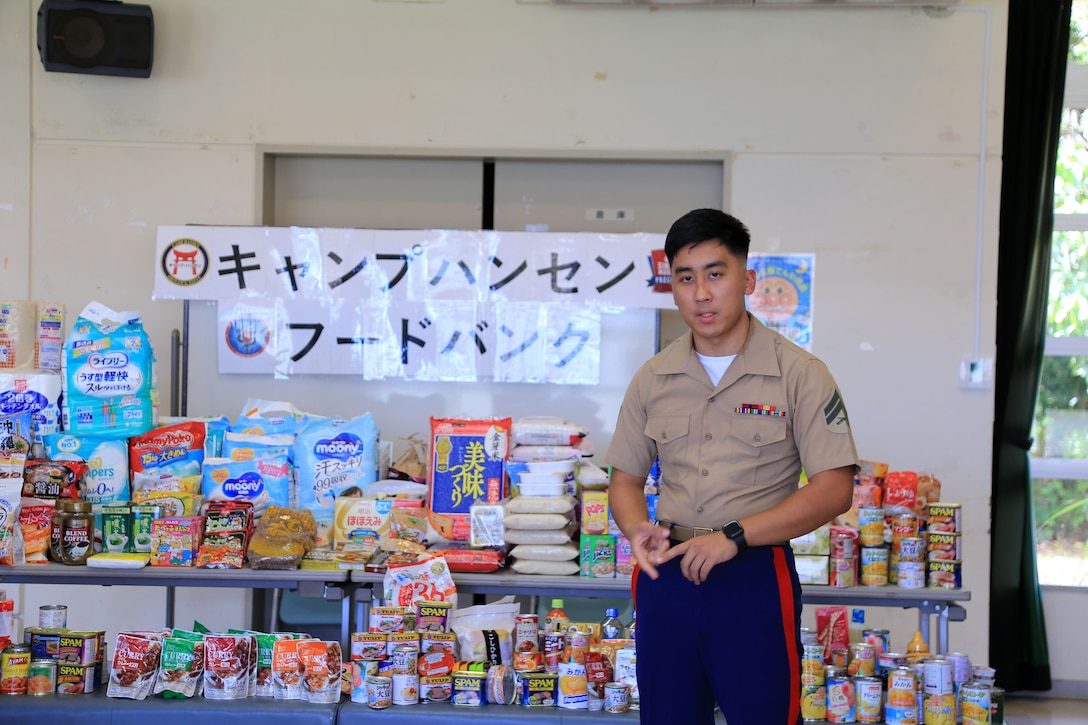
{"x":702,"y":225}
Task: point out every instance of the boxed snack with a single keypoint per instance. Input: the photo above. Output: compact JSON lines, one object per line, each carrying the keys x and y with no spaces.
{"x":598,"y":556}
{"x":816,"y":542}
{"x":595,"y":512}
{"x":174,"y":540}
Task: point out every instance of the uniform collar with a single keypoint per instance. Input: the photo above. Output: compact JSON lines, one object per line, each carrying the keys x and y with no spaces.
{"x":756,"y":357}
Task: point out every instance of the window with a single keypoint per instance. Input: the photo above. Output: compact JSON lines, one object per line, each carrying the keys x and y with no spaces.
{"x":1059,"y":463}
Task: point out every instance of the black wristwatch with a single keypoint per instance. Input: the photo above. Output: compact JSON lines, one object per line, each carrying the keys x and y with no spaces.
{"x":733,"y":530}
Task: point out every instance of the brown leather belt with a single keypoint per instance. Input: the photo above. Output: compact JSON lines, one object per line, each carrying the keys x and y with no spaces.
{"x":683,"y":533}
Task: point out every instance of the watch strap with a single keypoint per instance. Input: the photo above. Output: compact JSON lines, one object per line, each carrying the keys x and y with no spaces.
{"x":733,"y":530}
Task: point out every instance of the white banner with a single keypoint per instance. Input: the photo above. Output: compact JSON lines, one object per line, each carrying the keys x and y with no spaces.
{"x":398,"y":266}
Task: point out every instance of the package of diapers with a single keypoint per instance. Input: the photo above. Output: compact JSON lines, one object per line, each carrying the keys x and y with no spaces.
{"x":108,"y":372}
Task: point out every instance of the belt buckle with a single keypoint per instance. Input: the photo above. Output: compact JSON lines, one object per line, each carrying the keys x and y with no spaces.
{"x":701,"y":531}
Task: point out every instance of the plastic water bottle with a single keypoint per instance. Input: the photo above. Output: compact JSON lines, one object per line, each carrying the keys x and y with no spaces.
{"x":612,"y":627}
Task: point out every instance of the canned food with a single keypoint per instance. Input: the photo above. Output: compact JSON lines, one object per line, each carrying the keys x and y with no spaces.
{"x":841,"y":700}
{"x":840,"y":657}
{"x":944,"y":574}
{"x":871,"y":526}
{"x":528,"y":661}
{"x":812,"y":664}
{"x":911,"y":574}
{"x":888,"y":661}
{"x":944,"y":546}
{"x":997,"y":705}
{"x":14,"y":669}
{"x":537,"y":689}
{"x":944,"y":517}
{"x":526,"y":633}
{"x":501,"y":685}
{"x":842,"y":572}
{"x":554,"y":644}
{"x":78,"y":648}
{"x":368,"y":645}
{"x":78,"y":679}
{"x":616,"y":697}
{"x":813,"y":702}
{"x":842,"y":546}
{"x":53,"y":616}
{"x":405,"y":658}
{"x":435,"y":689}
{"x":809,"y":636}
{"x":975,"y":703}
{"x":939,"y":709}
{"x":400,"y":639}
{"x":937,"y":676}
{"x":874,"y":566}
{"x":983,"y":673}
{"x":42,"y":677}
{"x":878,"y":637}
{"x":912,"y":548}
{"x":469,"y":688}
{"x":379,"y":692}
{"x":869,"y":696}
{"x":44,"y":643}
{"x":961,"y":666}
{"x":433,"y":616}
{"x":862,"y":660}
{"x":903,"y":526}
{"x":405,"y":689}
{"x":387,"y":619}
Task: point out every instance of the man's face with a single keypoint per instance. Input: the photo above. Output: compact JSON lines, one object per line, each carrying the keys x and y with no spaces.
{"x":708,"y":287}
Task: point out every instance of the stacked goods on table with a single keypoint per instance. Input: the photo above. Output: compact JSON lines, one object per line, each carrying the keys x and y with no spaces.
{"x":488,"y":655}
{"x":897,"y":532}
{"x":870,"y":680}
{"x":174,"y":663}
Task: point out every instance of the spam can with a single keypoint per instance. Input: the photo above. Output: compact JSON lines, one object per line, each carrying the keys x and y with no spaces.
{"x":433,"y":616}
{"x":469,"y":689}
{"x":944,"y":517}
{"x":537,"y":689}
{"x":944,"y":574}
{"x":975,"y":703}
{"x":79,"y":648}
{"x":76,"y":679}
{"x":944,"y":546}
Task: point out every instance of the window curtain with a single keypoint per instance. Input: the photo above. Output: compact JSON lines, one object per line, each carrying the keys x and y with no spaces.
{"x":1038,"y":44}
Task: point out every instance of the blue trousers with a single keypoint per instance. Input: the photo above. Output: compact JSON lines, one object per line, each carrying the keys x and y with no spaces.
{"x":734,"y":639}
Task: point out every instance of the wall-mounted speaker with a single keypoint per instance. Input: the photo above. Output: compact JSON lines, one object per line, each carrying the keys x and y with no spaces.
{"x":101,"y":37}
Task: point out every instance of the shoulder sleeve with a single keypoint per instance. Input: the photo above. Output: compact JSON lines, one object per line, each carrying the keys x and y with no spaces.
{"x":631,"y":450}
{"x":821,"y":425}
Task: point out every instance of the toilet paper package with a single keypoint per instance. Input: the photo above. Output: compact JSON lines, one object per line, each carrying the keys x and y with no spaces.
{"x":31,"y":335}
{"x":36,"y":391}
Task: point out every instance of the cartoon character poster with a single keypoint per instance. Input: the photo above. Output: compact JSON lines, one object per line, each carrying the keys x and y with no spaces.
{"x":783,"y":296}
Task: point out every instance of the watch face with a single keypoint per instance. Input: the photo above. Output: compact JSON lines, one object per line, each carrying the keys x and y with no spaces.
{"x":733,"y":530}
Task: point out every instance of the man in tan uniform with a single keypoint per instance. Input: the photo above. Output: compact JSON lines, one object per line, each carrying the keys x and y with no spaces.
{"x":732,"y":411}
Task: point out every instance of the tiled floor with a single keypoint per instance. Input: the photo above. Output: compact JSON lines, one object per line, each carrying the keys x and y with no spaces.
{"x":1039,"y":711}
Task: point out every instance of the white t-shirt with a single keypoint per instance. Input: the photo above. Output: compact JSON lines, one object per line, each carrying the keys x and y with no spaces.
{"x":715,"y":366}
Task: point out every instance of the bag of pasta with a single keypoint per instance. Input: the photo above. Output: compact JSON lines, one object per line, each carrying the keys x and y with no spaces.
{"x":282,"y":538}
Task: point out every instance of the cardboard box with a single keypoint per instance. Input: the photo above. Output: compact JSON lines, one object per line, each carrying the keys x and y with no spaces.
{"x":812,"y":569}
{"x":814,"y":542}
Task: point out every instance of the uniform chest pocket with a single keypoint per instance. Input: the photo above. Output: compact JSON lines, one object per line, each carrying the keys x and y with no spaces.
{"x":760,"y":442}
{"x":670,"y":432}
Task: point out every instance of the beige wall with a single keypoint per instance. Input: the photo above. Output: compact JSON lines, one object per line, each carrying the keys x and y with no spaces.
{"x":856,"y":134}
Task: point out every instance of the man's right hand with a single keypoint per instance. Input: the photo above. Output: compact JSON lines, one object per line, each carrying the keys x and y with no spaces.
{"x":649,"y":544}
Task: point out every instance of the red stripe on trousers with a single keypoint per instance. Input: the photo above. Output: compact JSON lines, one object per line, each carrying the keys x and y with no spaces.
{"x":789,"y":631}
